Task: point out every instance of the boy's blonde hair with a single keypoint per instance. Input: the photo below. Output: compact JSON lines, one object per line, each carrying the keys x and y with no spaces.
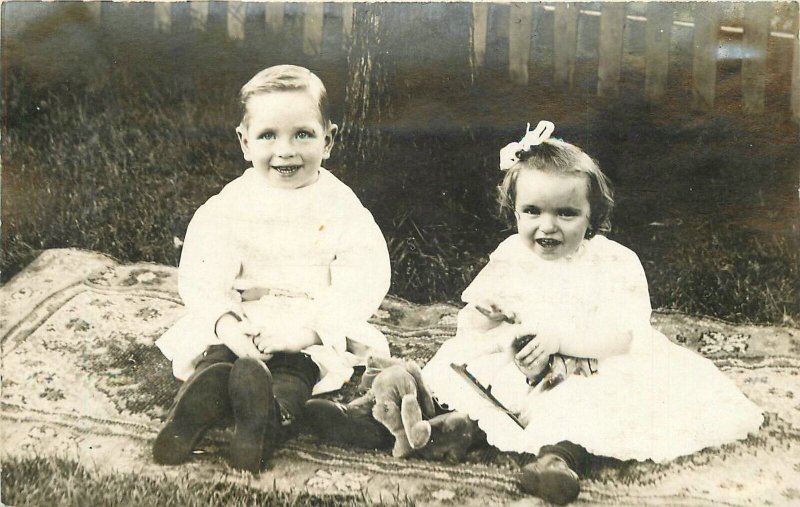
{"x":557,"y":156}
{"x":286,"y":78}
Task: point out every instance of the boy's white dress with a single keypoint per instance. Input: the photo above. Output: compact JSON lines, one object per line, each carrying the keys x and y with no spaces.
{"x":658,"y":401}
{"x":311,"y":256}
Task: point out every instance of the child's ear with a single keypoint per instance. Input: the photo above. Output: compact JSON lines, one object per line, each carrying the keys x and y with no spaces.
{"x":241,"y":133}
{"x":330,"y":135}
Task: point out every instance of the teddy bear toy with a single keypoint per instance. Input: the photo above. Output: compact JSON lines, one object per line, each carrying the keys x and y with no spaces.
{"x":396,"y":410}
{"x":402,"y":403}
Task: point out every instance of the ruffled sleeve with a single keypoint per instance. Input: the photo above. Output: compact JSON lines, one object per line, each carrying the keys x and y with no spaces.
{"x":616,"y":307}
{"x":495,"y":280}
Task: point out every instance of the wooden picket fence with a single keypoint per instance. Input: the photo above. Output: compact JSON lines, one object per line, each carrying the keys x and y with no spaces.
{"x":659,"y":21}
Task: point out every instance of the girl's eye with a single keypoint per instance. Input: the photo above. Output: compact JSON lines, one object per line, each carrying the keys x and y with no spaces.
{"x":531,"y":211}
{"x":568,"y":213}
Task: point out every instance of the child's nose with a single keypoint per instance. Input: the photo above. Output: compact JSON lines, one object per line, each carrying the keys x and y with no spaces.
{"x":284,"y":148}
{"x":547,"y":223}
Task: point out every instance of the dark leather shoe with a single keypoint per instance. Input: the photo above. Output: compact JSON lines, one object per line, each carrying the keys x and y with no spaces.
{"x":201,"y":403}
{"x":452,"y":434}
{"x":254,"y":412}
{"x":551,"y":479}
{"x":350,"y":424}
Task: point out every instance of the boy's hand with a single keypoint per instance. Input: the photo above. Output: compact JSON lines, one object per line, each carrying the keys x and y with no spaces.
{"x":493,"y":312}
{"x":291,"y":339}
{"x":238,"y":336}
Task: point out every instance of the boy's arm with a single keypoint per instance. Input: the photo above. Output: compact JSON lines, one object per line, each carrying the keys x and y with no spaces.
{"x":208,"y":268}
{"x":360,"y":278}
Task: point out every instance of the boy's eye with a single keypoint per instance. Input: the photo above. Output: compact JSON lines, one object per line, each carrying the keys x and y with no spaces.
{"x":267,"y":135}
{"x":304,"y":134}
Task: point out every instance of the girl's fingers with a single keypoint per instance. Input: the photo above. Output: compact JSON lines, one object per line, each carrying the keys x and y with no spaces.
{"x":530,"y":348}
{"x":540,"y":357}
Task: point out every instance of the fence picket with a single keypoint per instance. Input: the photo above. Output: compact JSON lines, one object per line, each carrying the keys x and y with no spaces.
{"x":273,"y":16}
{"x":565,"y":43}
{"x":519,"y":42}
{"x":796,"y":70}
{"x":480,"y":28}
{"x":754,"y":65}
{"x":198,"y":12}
{"x":95,"y":10}
{"x":235,"y":20}
{"x":612,"y":24}
{"x":347,"y":24}
{"x":162,"y":16}
{"x":657,"y":41}
{"x":704,"y":66}
{"x":313,"y":18}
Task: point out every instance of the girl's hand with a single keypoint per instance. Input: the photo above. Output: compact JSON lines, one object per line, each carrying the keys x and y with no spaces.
{"x":537,"y":351}
{"x":291,"y":339}
{"x":493,"y":312}
{"x":535,"y":369}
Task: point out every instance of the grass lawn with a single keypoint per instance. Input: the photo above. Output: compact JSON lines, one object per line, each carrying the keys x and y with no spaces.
{"x":47,"y":481}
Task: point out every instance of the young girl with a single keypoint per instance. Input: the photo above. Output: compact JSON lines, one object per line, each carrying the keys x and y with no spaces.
{"x":577,"y":294}
{"x":279,"y":273}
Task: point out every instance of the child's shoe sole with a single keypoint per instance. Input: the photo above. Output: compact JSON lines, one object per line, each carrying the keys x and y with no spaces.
{"x":250,"y":389}
{"x":202,"y":403}
{"x":551,"y":480}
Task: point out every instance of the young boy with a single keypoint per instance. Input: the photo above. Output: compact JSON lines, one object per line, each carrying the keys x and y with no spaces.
{"x":279,"y":273}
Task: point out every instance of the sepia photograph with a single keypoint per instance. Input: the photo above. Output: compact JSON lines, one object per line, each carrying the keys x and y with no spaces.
{"x":399,"y":253}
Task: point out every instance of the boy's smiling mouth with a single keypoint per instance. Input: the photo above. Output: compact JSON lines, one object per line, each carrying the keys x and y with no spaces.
{"x":287,"y":170}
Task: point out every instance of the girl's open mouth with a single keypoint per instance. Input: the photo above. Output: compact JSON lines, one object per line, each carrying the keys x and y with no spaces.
{"x":548,"y":242}
{"x":287,"y":170}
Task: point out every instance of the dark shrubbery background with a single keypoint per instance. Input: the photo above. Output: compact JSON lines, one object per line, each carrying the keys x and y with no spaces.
{"x":114,"y":134}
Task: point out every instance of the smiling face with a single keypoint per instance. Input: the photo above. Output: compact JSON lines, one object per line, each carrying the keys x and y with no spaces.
{"x":552,"y":212}
{"x":284,"y":137}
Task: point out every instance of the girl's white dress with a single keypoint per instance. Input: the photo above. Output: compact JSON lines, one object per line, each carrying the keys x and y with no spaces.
{"x":658,"y":401}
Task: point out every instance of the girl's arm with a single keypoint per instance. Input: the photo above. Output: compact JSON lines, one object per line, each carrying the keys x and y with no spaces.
{"x":610,"y":327}
{"x":483,"y":317}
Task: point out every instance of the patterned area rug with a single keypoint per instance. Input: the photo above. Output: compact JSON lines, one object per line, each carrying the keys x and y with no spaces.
{"x":82,"y":379}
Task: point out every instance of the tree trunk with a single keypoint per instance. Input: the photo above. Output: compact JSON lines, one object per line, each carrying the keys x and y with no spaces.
{"x":365,"y":96}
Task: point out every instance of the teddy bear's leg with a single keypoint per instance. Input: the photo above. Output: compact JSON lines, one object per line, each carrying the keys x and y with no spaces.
{"x":387,"y":412}
{"x":417,"y":430}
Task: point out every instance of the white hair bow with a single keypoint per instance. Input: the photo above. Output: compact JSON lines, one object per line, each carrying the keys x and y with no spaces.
{"x":508,"y":155}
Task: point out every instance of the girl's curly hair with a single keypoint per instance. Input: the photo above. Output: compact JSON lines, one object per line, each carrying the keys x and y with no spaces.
{"x":557,"y":156}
